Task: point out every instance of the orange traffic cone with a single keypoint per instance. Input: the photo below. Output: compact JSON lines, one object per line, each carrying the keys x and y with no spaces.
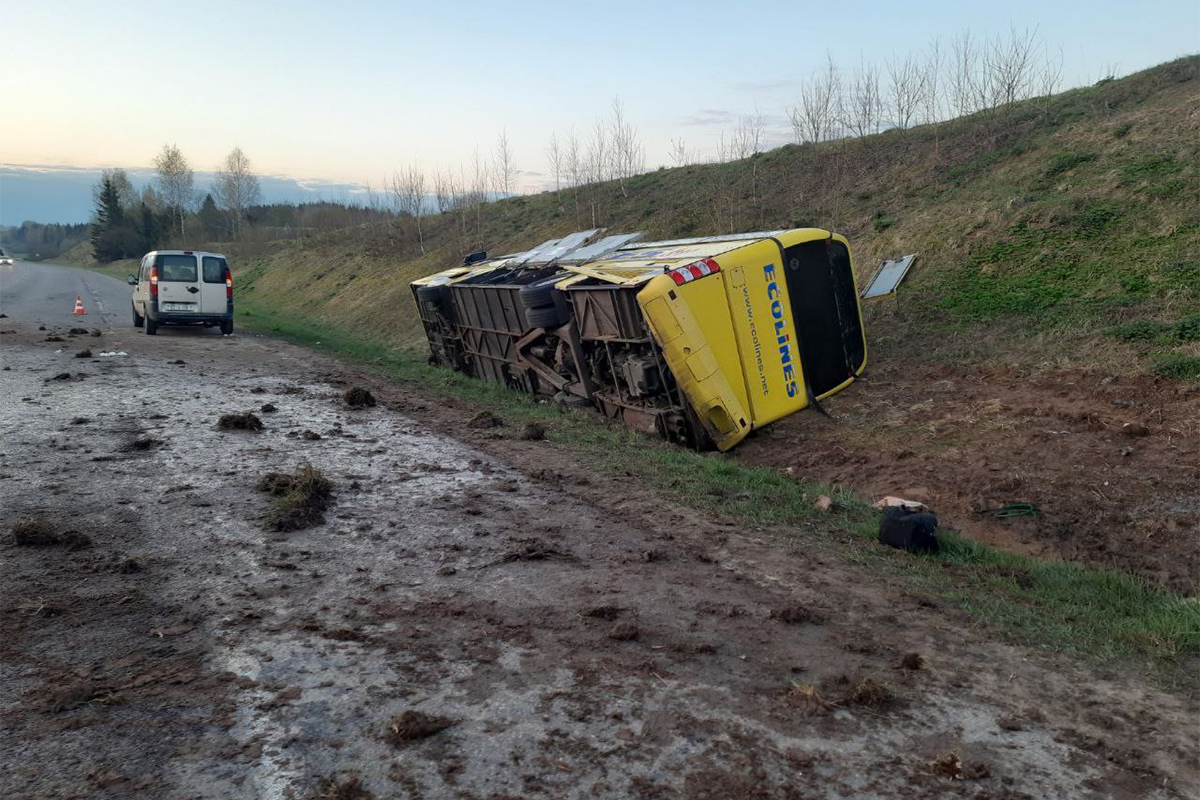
{"x":78,"y":306}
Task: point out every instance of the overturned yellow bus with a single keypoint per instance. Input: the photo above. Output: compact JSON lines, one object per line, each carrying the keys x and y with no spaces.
{"x":700,"y":340}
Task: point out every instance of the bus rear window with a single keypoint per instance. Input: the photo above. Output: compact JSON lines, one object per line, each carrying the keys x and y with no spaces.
{"x":214,"y":269}
{"x":177,"y":268}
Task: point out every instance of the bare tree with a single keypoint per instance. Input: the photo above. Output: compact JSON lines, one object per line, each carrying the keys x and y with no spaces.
{"x":556,"y":157}
{"x":626,"y":152}
{"x":504,"y":170}
{"x":481,"y":178}
{"x":747,"y":138}
{"x":443,"y":197}
{"x":236,"y":188}
{"x":679,"y":153}
{"x":931,"y":94}
{"x":1009,"y":65}
{"x":176,"y":183}
{"x":1050,"y":77}
{"x":813,"y":120}
{"x":906,"y":86}
{"x":965,"y":90}
{"x":864,"y":105}
{"x":408,"y":194}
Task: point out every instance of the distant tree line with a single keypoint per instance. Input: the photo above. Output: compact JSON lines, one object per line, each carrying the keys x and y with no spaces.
{"x":42,"y":240}
{"x":126,"y":223}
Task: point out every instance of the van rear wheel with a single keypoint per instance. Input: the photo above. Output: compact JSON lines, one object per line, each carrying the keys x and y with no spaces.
{"x":227,"y":327}
{"x":138,"y":320}
{"x":151,"y":327}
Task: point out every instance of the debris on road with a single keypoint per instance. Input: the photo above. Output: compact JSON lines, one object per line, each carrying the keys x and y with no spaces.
{"x":824,"y":503}
{"x":111,"y":353}
{"x":268,"y":408}
{"x":240,"y":422}
{"x":299,"y":500}
{"x":533,"y":432}
{"x":85,"y":353}
{"x":38,"y":532}
{"x":410,"y":726}
{"x":141,"y":443}
{"x":358,"y":397}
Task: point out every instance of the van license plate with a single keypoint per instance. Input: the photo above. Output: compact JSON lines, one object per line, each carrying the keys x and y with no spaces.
{"x":179,"y":307}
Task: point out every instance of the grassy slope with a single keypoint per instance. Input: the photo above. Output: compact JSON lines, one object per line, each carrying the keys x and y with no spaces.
{"x":1039,"y":227}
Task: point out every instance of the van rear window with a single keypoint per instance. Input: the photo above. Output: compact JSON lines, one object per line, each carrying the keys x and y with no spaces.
{"x":177,"y":268}
{"x":214,"y":269}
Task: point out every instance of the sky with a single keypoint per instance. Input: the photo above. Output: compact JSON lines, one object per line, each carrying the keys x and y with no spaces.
{"x":349,"y":91}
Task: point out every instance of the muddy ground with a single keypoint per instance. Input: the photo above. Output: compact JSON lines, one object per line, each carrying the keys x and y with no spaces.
{"x":1111,"y":463}
{"x":478,"y":617}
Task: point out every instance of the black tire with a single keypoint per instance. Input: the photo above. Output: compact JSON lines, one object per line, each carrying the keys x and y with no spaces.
{"x":151,"y":327}
{"x":138,"y":320}
{"x":540,"y":293}
{"x":227,"y":327}
{"x":548,"y":318}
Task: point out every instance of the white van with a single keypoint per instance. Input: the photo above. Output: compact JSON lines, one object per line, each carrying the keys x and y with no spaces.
{"x":183,"y":287}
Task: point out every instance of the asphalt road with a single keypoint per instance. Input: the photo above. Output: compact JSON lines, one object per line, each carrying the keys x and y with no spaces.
{"x":45,"y":294}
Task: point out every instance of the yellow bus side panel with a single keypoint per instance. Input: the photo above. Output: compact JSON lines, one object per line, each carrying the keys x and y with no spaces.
{"x":764,"y":330}
{"x":691,"y":323}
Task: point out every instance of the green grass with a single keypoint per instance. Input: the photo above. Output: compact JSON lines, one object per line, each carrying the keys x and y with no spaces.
{"x":1062,"y":607}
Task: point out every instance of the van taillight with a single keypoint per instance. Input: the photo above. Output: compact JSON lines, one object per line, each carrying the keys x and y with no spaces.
{"x":154,"y":281}
{"x":228,"y":284}
{"x":694,"y":271}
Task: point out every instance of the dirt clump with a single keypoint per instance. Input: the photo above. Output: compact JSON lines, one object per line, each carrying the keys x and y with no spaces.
{"x":62,"y":376}
{"x":358,"y":397}
{"x":141,"y":444}
{"x":624,"y":632}
{"x":410,"y":726}
{"x":913,"y":662}
{"x":533,"y":432}
{"x":268,"y":408}
{"x":603,"y":612}
{"x":240,"y":422}
{"x":334,"y":788}
{"x":310,"y":436}
{"x":806,"y":699}
{"x":78,"y":331}
{"x":485,"y":419}
{"x":796,"y":614}
{"x":868,"y":693}
{"x":129,"y":566}
{"x":299,"y":500}
{"x":55,"y":339}
{"x":38,"y":532}
{"x":96,"y":332}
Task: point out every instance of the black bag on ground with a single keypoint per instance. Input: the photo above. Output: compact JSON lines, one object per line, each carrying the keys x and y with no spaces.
{"x":908,"y":530}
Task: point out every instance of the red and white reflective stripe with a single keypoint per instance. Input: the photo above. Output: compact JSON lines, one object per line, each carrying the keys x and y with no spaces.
{"x":695,"y":271}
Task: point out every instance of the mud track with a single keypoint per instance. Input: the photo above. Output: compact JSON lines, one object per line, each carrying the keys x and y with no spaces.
{"x":476,"y":618}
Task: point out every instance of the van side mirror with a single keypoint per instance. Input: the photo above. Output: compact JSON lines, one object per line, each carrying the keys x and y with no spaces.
{"x":132,"y":279}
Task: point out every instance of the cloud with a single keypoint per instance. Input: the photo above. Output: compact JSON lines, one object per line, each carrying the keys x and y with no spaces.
{"x":780,"y":85}
{"x":711,"y":117}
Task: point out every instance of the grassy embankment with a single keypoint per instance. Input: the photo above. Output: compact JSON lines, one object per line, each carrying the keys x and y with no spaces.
{"x":1058,"y":232}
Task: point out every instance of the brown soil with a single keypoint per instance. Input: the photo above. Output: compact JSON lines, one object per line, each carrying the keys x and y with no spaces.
{"x":1112,"y":464}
